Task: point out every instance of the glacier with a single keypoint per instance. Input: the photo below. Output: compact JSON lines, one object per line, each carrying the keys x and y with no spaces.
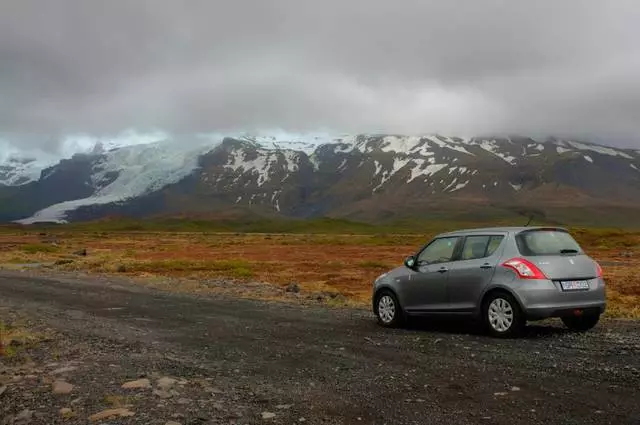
{"x":141,"y":169}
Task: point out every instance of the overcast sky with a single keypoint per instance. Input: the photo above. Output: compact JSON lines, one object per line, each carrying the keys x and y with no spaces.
{"x":456,"y":67}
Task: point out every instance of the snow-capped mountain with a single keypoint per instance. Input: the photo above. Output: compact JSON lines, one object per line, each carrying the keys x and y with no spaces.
{"x":358,"y":176}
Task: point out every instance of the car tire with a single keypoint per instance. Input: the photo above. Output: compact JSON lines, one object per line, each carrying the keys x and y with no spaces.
{"x":581,"y":323}
{"x":502,"y":316}
{"x":388,"y":309}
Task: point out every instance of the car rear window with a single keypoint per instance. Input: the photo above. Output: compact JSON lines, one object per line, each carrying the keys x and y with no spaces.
{"x":546,"y":242}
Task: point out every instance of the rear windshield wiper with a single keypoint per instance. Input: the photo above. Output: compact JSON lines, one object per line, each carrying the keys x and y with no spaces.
{"x":568,"y":251}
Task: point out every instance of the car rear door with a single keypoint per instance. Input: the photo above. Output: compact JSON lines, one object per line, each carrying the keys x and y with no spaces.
{"x":473,"y":270}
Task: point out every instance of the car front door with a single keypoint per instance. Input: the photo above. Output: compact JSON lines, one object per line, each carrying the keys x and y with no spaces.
{"x":425,"y":288}
{"x":473,"y":271}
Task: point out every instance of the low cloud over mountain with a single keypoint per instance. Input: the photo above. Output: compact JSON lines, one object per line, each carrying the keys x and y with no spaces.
{"x":567,"y":68}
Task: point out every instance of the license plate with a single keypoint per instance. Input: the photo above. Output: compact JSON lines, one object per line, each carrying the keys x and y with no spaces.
{"x":574,"y":285}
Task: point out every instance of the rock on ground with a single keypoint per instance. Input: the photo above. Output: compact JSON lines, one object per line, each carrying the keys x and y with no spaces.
{"x":62,"y":387}
{"x":136,"y":385}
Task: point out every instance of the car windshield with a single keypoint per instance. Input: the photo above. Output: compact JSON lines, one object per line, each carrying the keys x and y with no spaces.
{"x":547,"y":242}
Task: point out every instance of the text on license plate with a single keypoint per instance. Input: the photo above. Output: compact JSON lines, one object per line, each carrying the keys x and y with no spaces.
{"x":574,"y":285}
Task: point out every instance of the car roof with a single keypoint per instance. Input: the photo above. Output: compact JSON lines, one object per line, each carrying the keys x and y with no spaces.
{"x":498,"y":230}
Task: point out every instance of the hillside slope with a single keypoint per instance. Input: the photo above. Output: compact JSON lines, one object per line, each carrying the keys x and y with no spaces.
{"x":371,"y":177}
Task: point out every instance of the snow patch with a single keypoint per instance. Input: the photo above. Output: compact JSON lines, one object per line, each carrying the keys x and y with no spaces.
{"x":450,"y":184}
{"x":588,"y":158}
{"x":275,"y":200}
{"x":378,"y":168}
{"x":562,"y":150}
{"x":399,"y":144}
{"x":460,"y":186}
{"x":398,"y":164}
{"x":600,"y":149}
{"x":450,"y":144}
{"x":264,"y":165}
{"x":492,"y":147}
{"x":282,"y":140}
{"x":515,"y":187}
{"x":342,"y":165}
{"x":634,"y":167}
{"x":420,"y":170}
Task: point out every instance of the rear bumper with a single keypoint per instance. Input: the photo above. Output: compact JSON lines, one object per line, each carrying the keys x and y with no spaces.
{"x":541,"y":299}
{"x":539,"y":313}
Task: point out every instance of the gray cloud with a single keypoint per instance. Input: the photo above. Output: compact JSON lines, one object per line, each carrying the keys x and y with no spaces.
{"x":459,"y":67}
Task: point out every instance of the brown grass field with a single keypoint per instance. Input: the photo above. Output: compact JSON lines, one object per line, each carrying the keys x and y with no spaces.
{"x":343,"y":265}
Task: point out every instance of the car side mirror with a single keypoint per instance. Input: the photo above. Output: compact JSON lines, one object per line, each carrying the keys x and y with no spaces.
{"x":410,"y":262}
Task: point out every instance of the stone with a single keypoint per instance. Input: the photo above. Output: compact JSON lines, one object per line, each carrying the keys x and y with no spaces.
{"x":268,"y":415}
{"x":515,"y":388}
{"x":3,"y":389}
{"x":111,"y":413}
{"x":137,"y":385}
{"x":24,"y":417}
{"x":293,"y":287}
{"x":63,"y":370}
{"x":61,"y":387}
{"x":65,"y":412}
{"x":173,"y":423}
{"x":166,"y":383}
{"x":162,"y":394}
{"x":284,"y":406}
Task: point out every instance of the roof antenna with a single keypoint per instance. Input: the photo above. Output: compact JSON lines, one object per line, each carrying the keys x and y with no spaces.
{"x":530,"y":220}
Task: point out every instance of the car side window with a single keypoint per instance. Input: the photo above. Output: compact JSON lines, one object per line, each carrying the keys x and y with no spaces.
{"x":441,"y":250}
{"x":494,"y":244}
{"x":474,"y":247}
{"x":480,"y":246}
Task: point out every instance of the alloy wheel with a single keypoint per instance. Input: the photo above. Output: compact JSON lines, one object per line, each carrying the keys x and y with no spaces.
{"x":500,"y":315}
{"x":386,"y":309}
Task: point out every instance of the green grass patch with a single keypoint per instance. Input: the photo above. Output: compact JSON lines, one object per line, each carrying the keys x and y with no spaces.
{"x":37,"y":248}
{"x":239,"y":269}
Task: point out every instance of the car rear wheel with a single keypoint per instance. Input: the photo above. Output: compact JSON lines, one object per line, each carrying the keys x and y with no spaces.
{"x":502,"y":316}
{"x":388,"y":309}
{"x":581,"y":323}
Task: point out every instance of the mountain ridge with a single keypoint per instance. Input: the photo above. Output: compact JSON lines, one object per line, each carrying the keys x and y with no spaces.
{"x":372,"y":176}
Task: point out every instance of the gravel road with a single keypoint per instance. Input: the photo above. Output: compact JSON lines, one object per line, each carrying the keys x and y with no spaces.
{"x":249,"y":362}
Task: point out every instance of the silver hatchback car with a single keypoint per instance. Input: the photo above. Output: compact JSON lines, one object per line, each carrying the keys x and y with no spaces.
{"x":502,"y":276}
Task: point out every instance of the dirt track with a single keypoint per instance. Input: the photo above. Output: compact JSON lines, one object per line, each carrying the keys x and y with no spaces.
{"x":240,"y":360}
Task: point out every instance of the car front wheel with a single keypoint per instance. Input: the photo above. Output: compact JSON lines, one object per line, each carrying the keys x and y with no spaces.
{"x":388,"y":309}
{"x":581,"y":323}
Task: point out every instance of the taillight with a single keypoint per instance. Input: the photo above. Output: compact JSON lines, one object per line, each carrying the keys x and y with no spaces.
{"x":598,"y":270}
{"x":524,"y":269}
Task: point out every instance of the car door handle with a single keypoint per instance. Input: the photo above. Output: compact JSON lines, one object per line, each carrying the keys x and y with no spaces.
{"x":443,"y":270}
{"x":486,"y":266}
